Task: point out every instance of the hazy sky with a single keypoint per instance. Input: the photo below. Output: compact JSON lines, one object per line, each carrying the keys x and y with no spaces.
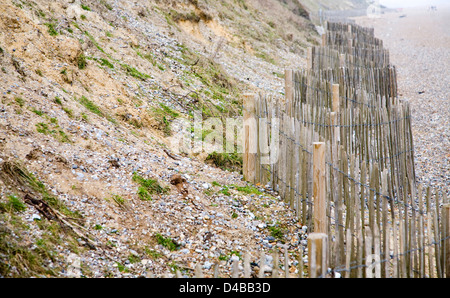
{"x":410,"y":3}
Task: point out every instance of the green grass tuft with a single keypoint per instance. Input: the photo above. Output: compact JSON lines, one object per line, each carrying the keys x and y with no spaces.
{"x":226,"y":161}
{"x":51,"y":29}
{"x":148,"y":187}
{"x":90,"y":106}
{"x":167,"y":242}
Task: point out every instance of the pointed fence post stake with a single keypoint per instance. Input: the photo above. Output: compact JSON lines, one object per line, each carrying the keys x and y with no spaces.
{"x":319,"y":183}
{"x":250,"y":138}
{"x":317,"y":254}
{"x":446,"y":225}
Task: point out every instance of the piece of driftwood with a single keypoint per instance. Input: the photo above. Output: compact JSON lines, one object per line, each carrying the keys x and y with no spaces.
{"x":171,"y":155}
{"x":42,"y":207}
{"x":52,"y":214}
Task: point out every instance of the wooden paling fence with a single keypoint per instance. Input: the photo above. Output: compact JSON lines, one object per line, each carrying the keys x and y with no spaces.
{"x":339,"y":149}
{"x":255,"y":266}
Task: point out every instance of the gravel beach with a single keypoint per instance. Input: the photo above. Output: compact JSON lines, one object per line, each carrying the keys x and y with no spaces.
{"x":419,"y":44}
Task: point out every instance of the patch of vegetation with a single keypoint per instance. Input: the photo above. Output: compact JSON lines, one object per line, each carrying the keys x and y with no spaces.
{"x":118,"y":199}
{"x":192,"y":16}
{"x":51,"y":29}
{"x":42,"y":128}
{"x":167,"y":242}
{"x":85,"y":7}
{"x":265,"y":57}
{"x":278,"y":75}
{"x":242,"y":4}
{"x":168,"y":111}
{"x":54,"y":130}
{"x":277,"y":232}
{"x":106,"y":4}
{"x":19,"y":101}
{"x":16,"y":175}
{"x":90,"y":106}
{"x":133,"y":258}
{"x":68,"y":111}
{"x":248,"y":189}
{"x":37,"y":112}
{"x":226,"y":161}
{"x":163,"y":116}
{"x":173,"y":267}
{"x":105,"y":62}
{"x":229,"y":255}
{"x":21,"y":260}
{"x":217,"y":85}
{"x":148,"y":187}
{"x":40,"y":13}
{"x":81,"y":61}
{"x":95,"y":109}
{"x":143,"y":194}
{"x":121,"y":267}
{"x":84,"y":117}
{"x":63,"y":137}
{"x":97,"y":45}
{"x":58,"y":100}
{"x":152,"y":253}
{"x":131,"y":71}
{"x":225,"y":190}
{"x":14,"y":204}
{"x":147,"y":56}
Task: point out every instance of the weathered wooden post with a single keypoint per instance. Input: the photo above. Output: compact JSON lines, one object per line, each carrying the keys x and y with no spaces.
{"x":324,"y":40}
{"x":317,"y":254}
{"x":335,"y":105}
{"x":342,"y":60}
{"x":309,"y":59}
{"x":335,"y":98}
{"x":275,"y":268}
{"x":250,"y":138}
{"x":262,"y":264}
{"x":446,"y":225}
{"x":319,"y":183}
{"x":198,"y":271}
{"x":247,"y":268}
{"x":289,"y":95}
{"x":288,"y":86}
{"x":286,"y":261}
{"x":235,"y":269}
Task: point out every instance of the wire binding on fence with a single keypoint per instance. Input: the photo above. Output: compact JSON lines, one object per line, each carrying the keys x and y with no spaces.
{"x":399,"y":189}
{"x":397,"y":256}
{"x":332,"y":166}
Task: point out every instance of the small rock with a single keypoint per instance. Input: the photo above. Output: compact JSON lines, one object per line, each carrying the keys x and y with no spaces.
{"x":207,"y":265}
{"x":270,"y":238}
{"x":35,"y":216}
